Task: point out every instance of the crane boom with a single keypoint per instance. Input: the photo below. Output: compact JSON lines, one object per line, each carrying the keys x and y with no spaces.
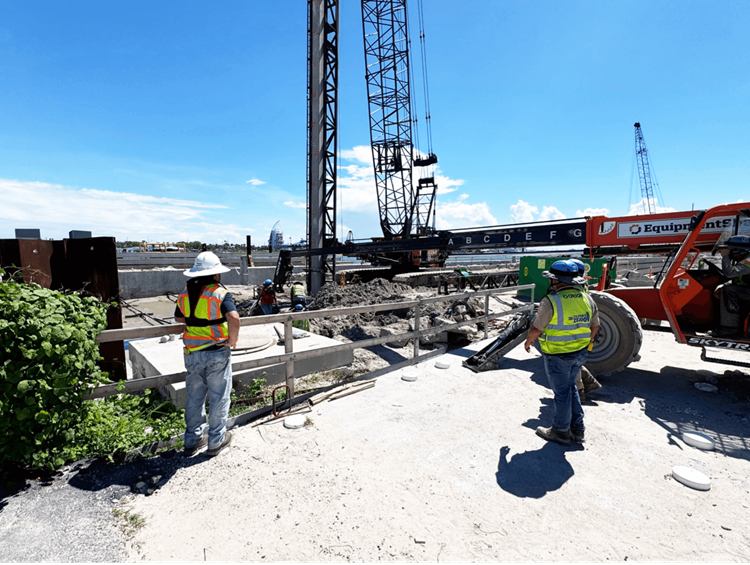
{"x":644,"y":171}
{"x":403,"y":211}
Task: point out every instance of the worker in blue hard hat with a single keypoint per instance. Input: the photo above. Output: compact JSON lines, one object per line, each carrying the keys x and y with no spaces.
{"x":267,"y":298}
{"x":304,"y":323}
{"x":734,"y":295}
{"x":565,"y":324}
{"x":297,"y":292}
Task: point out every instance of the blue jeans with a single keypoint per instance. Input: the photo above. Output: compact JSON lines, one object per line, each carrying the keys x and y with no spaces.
{"x":209,"y":374}
{"x":267,"y":309}
{"x":562,"y":372}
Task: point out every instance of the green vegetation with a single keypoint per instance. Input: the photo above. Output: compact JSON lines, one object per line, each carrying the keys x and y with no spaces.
{"x":249,"y":399}
{"x":48,"y":358}
{"x":129,"y":522}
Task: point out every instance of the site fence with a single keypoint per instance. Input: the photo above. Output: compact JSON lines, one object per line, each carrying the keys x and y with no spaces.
{"x":289,"y":356}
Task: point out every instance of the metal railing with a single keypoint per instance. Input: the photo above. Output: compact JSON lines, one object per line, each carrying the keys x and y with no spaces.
{"x":290,"y":356}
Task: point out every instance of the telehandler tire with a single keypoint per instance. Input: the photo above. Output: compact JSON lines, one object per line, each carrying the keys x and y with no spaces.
{"x":619,"y":338}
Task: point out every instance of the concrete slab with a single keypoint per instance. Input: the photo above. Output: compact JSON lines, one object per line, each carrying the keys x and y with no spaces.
{"x":154,"y":356}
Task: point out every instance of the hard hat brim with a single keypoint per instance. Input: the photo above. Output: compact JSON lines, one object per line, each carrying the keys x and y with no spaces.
{"x":218,"y":269}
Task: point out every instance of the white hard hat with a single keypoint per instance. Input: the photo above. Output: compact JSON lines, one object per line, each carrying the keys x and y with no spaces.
{"x":207,"y":263}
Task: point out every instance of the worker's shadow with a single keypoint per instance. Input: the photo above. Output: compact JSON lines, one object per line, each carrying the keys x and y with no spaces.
{"x":135,"y":476}
{"x":533,"y":474}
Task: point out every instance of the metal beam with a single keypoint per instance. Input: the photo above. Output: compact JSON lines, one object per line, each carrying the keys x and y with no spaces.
{"x":322,"y":118}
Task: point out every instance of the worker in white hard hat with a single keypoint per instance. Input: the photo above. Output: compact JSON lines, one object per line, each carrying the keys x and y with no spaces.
{"x":212,"y":328}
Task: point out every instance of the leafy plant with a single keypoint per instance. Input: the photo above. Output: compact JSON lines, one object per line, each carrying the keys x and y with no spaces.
{"x":48,"y":358}
{"x":116,"y":425}
{"x":47,"y":362}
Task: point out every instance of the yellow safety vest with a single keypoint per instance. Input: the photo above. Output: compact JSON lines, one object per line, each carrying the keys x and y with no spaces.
{"x":298,"y":290}
{"x":301,"y":324}
{"x":570,"y":328}
{"x":210,"y":327}
{"x":743,"y":280}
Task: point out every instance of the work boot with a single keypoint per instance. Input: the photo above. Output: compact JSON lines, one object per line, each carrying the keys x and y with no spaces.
{"x":576,"y":435}
{"x":190,"y":451}
{"x":224,"y":444}
{"x":725,"y":331}
{"x":590,"y":384}
{"x":552,"y":434}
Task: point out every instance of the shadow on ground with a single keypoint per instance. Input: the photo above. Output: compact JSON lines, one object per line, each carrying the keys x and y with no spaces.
{"x":136,"y":477}
{"x":669,"y":398}
{"x":533,"y":474}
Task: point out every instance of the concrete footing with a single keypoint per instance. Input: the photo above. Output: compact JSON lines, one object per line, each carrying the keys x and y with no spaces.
{"x":153,"y":357}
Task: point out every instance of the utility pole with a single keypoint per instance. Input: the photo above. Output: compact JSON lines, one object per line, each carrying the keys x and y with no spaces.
{"x":322,"y":118}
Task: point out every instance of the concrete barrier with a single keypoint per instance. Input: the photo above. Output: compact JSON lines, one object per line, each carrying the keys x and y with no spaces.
{"x":144,"y":284}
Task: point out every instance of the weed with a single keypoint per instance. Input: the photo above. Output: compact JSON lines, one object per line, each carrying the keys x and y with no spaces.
{"x":130,"y":522}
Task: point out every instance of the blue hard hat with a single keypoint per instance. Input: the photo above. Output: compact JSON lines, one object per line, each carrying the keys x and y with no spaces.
{"x":299,"y":307}
{"x":268,"y":281}
{"x":738,"y":244}
{"x":580,"y":264}
{"x":564,"y":271}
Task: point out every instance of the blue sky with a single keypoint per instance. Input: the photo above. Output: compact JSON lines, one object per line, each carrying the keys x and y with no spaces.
{"x":186,"y":120}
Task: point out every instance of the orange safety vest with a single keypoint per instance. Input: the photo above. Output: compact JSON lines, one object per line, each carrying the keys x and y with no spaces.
{"x":205,"y":325}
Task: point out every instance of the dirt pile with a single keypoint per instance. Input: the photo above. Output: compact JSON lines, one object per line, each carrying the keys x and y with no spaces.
{"x":394,"y":322}
{"x":378,"y":291}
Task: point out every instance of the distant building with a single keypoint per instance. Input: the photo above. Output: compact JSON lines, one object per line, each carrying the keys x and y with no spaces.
{"x":276,"y":239}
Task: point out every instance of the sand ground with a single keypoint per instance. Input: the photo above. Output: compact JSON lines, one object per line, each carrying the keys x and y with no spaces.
{"x":448,"y":468}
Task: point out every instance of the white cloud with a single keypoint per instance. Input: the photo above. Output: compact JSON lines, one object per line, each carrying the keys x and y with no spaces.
{"x":522,"y":212}
{"x":463,"y":196}
{"x":551,"y":213}
{"x":592,"y":212}
{"x":452,"y":215}
{"x":641,"y":207}
{"x":446,"y":185}
{"x":292,"y":204}
{"x":57,"y":209}
{"x":255,"y":182}
{"x":361,"y":153}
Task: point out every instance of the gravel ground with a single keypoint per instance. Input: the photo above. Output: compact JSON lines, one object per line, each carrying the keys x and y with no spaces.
{"x":448,"y":468}
{"x":444,"y":468}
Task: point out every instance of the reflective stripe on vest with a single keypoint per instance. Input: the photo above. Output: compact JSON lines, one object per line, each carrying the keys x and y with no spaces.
{"x":208,"y":308}
{"x":570,"y":328}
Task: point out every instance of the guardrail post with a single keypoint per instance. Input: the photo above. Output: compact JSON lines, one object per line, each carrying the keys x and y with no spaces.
{"x":417,"y":313}
{"x":289,"y":364}
{"x":244,"y":275}
{"x":486,"y":314}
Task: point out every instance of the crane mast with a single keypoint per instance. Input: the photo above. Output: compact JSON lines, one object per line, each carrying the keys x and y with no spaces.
{"x":322,"y":127}
{"x":644,"y":171}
